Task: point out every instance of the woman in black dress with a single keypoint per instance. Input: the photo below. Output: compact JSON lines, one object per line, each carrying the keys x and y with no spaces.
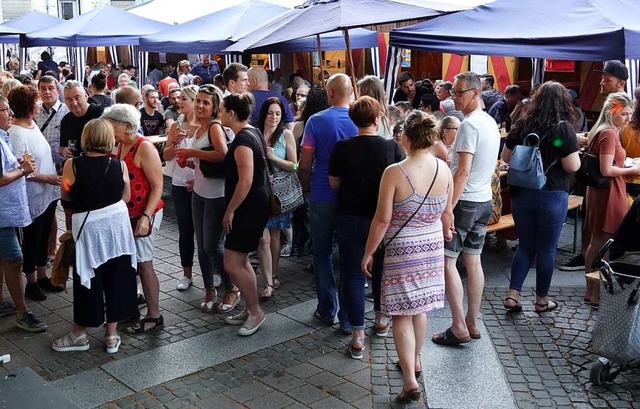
{"x":246,"y":197}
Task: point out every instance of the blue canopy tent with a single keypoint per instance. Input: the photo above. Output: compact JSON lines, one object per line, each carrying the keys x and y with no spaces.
{"x":360,"y":38}
{"x":104,"y":26}
{"x":569,"y":29}
{"x":26,"y":23}
{"x":322,"y":16}
{"x":210,"y":34}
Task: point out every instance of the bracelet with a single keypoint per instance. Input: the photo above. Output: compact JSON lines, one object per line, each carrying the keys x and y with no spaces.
{"x":148,"y":218}
{"x":295,"y":167}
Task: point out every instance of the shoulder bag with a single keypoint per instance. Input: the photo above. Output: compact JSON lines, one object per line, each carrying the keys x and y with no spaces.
{"x":273,"y":201}
{"x":589,"y":172}
{"x":286,"y":185}
{"x":213,"y":169}
{"x":69,"y":251}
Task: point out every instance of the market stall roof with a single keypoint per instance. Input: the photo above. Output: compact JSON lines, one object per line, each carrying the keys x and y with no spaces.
{"x":323,"y":16}
{"x":27,"y":23}
{"x":167,"y":12}
{"x":566,"y":29}
{"x":359,"y":37}
{"x":211,"y":33}
{"x":103,"y":26}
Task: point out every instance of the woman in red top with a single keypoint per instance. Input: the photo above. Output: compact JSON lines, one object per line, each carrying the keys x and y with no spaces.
{"x":145,"y":174}
{"x":607,"y":206}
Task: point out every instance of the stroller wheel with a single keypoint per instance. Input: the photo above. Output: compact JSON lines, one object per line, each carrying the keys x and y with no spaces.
{"x":600,"y":369}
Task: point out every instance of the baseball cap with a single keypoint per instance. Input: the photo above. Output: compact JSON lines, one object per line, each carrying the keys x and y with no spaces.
{"x":617,"y":69}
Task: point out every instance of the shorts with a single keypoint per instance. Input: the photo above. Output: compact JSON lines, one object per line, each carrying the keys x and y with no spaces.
{"x":281,"y":222}
{"x":471,"y":219}
{"x":9,"y":246}
{"x":144,"y":245}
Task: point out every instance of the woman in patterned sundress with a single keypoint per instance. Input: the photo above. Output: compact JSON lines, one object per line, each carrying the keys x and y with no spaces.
{"x":414,"y":216}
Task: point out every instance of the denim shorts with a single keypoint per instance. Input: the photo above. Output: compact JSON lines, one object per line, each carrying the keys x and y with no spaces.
{"x":470,"y":220}
{"x":9,"y":246}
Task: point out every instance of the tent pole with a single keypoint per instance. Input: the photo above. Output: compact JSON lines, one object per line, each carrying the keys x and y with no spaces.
{"x":349,"y":57}
{"x":322,"y":82}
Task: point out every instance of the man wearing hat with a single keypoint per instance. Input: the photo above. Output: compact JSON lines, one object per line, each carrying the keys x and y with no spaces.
{"x":614,"y":76}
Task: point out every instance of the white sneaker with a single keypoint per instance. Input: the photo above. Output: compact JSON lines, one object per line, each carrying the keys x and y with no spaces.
{"x":238,"y":319}
{"x":286,"y":250}
{"x":251,"y":325}
{"x":184,"y":283}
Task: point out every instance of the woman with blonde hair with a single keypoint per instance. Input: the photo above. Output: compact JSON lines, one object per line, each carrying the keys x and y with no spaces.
{"x":607,"y":206}
{"x":373,"y":87}
{"x":104,"y":280}
{"x":180,"y":134}
{"x":209,"y":143}
{"x":9,"y":85}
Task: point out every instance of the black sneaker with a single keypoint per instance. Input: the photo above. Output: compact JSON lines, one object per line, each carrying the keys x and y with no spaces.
{"x":33,"y":292}
{"x":45,"y":284}
{"x":576,"y":263}
{"x":29,"y":322}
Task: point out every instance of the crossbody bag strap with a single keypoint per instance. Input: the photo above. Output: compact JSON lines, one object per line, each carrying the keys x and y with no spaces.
{"x":104,"y":175}
{"x":419,"y":207}
{"x":46,"y":124}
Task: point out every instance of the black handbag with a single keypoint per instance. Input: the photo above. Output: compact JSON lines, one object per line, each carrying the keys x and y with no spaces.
{"x":273,"y":201}
{"x":213,"y":169}
{"x":589,"y":172}
{"x":69,"y":252}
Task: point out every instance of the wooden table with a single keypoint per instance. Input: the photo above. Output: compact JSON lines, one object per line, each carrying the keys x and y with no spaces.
{"x":157,"y":139}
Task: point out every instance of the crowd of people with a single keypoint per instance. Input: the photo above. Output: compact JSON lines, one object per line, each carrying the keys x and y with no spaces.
{"x":405,"y":189}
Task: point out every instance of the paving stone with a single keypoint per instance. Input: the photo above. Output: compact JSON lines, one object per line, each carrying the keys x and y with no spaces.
{"x":308,"y":394}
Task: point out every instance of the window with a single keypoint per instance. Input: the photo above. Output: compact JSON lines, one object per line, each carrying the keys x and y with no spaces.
{"x":68,"y":9}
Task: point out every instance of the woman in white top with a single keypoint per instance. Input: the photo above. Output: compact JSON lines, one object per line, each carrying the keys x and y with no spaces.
{"x":207,"y":201}
{"x":180,"y":134}
{"x":43,"y":190}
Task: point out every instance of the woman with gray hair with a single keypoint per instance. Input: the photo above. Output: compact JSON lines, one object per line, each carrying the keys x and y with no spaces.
{"x":145,"y":204}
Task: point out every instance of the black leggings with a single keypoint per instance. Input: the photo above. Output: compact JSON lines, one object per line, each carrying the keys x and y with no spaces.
{"x":35,"y":240}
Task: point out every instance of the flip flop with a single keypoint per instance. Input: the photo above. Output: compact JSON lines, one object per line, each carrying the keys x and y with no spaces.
{"x":449,"y":339}
{"x":548,"y":306}
{"x":512,"y":308}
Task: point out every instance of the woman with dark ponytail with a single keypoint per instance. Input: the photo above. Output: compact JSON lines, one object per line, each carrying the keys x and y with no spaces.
{"x":96,"y":88}
{"x":246,"y":197}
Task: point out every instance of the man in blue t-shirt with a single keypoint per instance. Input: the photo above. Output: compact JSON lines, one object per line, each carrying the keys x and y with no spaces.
{"x":259,"y":88}
{"x":322,"y":132}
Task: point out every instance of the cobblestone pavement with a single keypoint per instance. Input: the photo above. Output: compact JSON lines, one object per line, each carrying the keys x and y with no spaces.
{"x":546,"y":358}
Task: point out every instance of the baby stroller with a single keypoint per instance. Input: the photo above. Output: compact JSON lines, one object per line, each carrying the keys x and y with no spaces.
{"x":616,"y":333}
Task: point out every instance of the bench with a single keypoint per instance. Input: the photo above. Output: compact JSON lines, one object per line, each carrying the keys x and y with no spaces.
{"x":506,"y":220}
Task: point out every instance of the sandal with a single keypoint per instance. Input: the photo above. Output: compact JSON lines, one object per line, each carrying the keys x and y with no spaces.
{"x":229,"y":301}
{"x":408,"y":396}
{"x":417,"y":372}
{"x":276,"y":282}
{"x":71,"y":343}
{"x":517,"y":307}
{"x":112,"y":348}
{"x":382,"y":323}
{"x":207,"y":306}
{"x":267,"y":292}
{"x":449,"y":339}
{"x":546,"y":307}
{"x":357,"y":353}
{"x":140,"y":327}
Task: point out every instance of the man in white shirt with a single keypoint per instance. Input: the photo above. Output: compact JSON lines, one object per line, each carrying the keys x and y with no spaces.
{"x":474,"y":160}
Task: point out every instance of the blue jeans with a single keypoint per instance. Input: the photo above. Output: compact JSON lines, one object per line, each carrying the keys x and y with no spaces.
{"x":207,"y":222}
{"x":181,"y":198}
{"x":352,"y":235}
{"x":10,"y":250}
{"x":538,"y":216}
{"x":322,"y":221}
